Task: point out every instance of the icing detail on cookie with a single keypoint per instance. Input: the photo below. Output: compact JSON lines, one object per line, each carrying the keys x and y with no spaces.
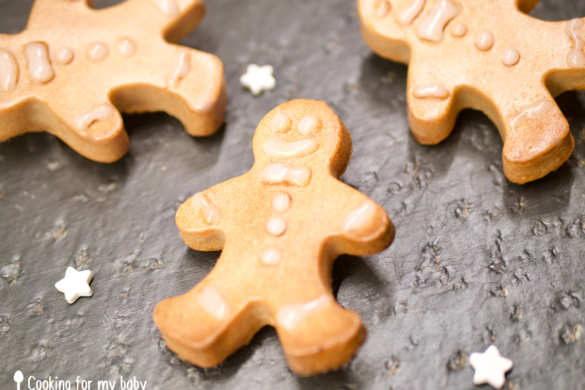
{"x":410,"y":13}
{"x":529,"y":117}
{"x":207,"y":207}
{"x":182,"y":69}
{"x":213,"y":303}
{"x":431,"y":28}
{"x":39,"y":64}
{"x":270,"y":256}
{"x":290,"y":316}
{"x":98,"y":51}
{"x":576,"y":57}
{"x":64,"y":56}
{"x":168,"y":7}
{"x":286,"y":175}
{"x":532,"y":112}
{"x":127,"y":47}
{"x":99,"y":113}
{"x":277,"y":147}
{"x":511,"y":57}
{"x":459,"y":30}
{"x":363,"y":223}
{"x":430,"y":91}
{"x":281,"y":123}
{"x":8,"y":71}
{"x":309,"y":125}
{"x":276,"y":226}
{"x":281,"y":202}
{"x":484,"y":41}
{"x":382,"y":8}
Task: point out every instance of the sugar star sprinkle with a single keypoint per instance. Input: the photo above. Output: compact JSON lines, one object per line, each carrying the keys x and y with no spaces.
{"x":258,"y":78}
{"x":490,"y":367}
{"x":75,"y":284}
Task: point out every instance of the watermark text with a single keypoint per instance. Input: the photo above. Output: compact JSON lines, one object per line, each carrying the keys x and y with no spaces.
{"x":79,"y":383}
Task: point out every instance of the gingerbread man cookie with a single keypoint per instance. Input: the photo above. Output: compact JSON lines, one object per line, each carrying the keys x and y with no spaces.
{"x":74,"y":67}
{"x":490,"y":56}
{"x":280,"y":226}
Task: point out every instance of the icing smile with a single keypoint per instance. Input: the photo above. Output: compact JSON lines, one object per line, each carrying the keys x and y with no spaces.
{"x":277,"y":147}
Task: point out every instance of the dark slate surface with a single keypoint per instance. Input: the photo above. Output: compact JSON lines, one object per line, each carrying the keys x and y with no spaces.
{"x":476,"y":259}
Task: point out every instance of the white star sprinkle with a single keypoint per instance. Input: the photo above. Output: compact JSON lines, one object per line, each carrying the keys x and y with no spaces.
{"x":490,"y":367}
{"x":75,"y":284}
{"x":258,"y":78}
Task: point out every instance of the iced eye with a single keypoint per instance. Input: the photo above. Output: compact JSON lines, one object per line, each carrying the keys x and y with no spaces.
{"x":281,"y":123}
{"x":309,"y":125}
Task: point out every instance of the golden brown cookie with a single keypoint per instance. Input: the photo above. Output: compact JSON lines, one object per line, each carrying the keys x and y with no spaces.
{"x":74,"y":67}
{"x":490,"y":56}
{"x":280,"y":227}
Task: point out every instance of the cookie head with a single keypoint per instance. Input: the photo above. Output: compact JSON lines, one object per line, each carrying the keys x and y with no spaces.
{"x":303,"y":132}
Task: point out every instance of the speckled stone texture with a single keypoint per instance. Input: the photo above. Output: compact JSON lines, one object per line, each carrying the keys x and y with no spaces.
{"x":476,"y":260}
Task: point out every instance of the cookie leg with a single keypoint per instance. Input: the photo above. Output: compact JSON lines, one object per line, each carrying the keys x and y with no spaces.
{"x":431,"y":111}
{"x":381,"y":32}
{"x":88,"y":123}
{"x":318,"y":335}
{"x":210,"y":322}
{"x":186,"y":83}
{"x":15,"y":120}
{"x":537,"y":137}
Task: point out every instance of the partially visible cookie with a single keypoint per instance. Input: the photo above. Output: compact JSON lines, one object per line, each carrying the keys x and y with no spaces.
{"x":280,"y":227}
{"x":74,"y":68}
{"x":489,"y":56}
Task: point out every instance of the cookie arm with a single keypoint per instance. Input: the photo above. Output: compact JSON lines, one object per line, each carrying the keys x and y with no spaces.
{"x":567,"y":72}
{"x":362,"y":227}
{"x":380,"y":30}
{"x":202,"y":217}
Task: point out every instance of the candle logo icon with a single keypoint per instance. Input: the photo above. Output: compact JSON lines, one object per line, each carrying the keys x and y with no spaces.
{"x":18,"y":378}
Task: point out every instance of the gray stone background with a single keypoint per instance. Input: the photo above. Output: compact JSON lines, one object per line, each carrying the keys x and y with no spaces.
{"x":476,"y":259}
